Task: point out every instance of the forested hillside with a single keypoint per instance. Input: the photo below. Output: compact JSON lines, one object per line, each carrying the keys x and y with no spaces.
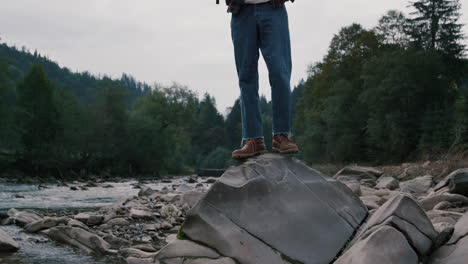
{"x":391,"y":93}
{"x":57,"y":121}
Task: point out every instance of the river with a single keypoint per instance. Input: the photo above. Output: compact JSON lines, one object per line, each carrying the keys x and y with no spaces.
{"x":38,"y":249}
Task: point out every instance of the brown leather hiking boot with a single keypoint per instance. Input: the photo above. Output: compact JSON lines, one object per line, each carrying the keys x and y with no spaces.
{"x":282,"y":144}
{"x":251,"y":148}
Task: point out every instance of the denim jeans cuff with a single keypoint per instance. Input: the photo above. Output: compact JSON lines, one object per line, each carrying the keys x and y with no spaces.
{"x":287,"y":133}
{"x":247,"y":138}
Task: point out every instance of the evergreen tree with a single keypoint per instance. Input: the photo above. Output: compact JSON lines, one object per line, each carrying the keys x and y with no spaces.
{"x":38,"y":115}
{"x":435,"y":25}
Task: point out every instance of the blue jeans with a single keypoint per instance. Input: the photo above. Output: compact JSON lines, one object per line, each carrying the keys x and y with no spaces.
{"x":262,"y":27}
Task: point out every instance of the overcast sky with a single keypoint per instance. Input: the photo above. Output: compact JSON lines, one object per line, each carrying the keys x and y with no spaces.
{"x":164,"y":41}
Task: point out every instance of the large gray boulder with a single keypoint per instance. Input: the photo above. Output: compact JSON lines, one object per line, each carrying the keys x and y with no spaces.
{"x":274,"y":209}
{"x":7,"y":244}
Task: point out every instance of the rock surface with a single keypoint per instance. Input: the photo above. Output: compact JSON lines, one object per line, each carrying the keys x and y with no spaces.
{"x":7,"y":244}
{"x":262,"y":212}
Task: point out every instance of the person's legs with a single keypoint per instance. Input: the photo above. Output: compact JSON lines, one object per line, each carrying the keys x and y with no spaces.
{"x":276,"y":50}
{"x":246,"y":50}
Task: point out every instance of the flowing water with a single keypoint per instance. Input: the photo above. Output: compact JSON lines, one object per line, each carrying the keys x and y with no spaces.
{"x":37,"y":249}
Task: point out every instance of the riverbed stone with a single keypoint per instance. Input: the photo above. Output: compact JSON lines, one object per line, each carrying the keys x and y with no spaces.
{"x":262,"y":211}
{"x":7,"y":244}
{"x":210,"y":261}
{"x":132,"y":260}
{"x":24,"y":217}
{"x":185,"y":248}
{"x":430,"y":202}
{"x":141,"y":214}
{"x":456,"y":249}
{"x":42,"y":224}
{"x":80,"y":238}
{"x":146,"y":191}
{"x":404,"y":214}
{"x":459,"y":182}
{"x":384,"y":246}
{"x":389,"y":183}
{"x":359,"y":173}
{"x":418,"y":185}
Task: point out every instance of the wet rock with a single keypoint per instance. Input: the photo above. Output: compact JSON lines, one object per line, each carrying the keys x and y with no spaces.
{"x":7,"y":244}
{"x":389,"y":183}
{"x":24,"y":217}
{"x":146,"y":248}
{"x":354,"y":186}
{"x":417,"y":186}
{"x":443,"y":205}
{"x":384,"y":246}
{"x":80,"y":238}
{"x":272,"y":192}
{"x":146,"y":191}
{"x":44,"y":223}
{"x":118,"y":222}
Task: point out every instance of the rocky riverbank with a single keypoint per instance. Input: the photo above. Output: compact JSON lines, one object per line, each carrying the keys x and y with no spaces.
{"x":138,"y":225}
{"x":273,"y":209}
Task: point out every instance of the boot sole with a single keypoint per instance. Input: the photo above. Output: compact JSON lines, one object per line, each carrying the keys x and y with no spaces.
{"x":288,"y":151}
{"x":245,"y":156}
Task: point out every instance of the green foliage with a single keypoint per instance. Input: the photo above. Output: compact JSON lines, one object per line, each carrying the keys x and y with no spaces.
{"x":388,"y":93}
{"x":38,"y":115}
{"x":217,"y":159}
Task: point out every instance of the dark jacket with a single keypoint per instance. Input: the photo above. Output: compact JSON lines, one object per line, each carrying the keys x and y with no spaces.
{"x":234,"y":6}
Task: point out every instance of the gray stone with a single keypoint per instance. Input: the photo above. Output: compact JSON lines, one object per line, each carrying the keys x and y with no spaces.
{"x":430,"y":202}
{"x":185,"y":248}
{"x":82,"y":217}
{"x":42,"y":224}
{"x":146,"y":191}
{"x":384,"y":246}
{"x":354,"y":186}
{"x":80,"y":238}
{"x":132,"y":260}
{"x":406,"y":215}
{"x":141,"y":214}
{"x":136,"y":253}
{"x":192,"y":197}
{"x":461,"y":229}
{"x":184,"y":188}
{"x":417,"y":186}
{"x":359,"y":173}
{"x":210,"y":261}
{"x":459,"y":182}
{"x":24,"y":217}
{"x":371,"y":202}
{"x":387,"y":183}
{"x":7,"y":244}
{"x":262,"y":212}
{"x":451,"y":254}
{"x":95,"y":220}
